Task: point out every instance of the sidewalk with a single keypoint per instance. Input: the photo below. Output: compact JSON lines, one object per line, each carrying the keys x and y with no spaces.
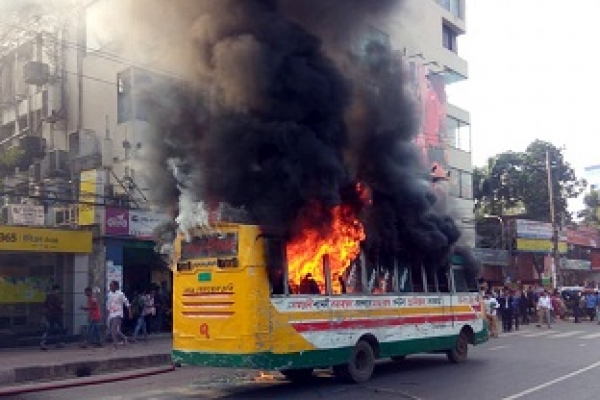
{"x":30,"y":364}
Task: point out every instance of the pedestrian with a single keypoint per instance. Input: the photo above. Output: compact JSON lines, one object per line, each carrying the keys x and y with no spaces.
{"x":576,"y":299}
{"x":515,"y":309}
{"x":115,"y":303}
{"x":506,"y":311}
{"x":92,"y":335}
{"x":558,"y":306}
{"x":524,"y":307}
{"x":544,"y":306}
{"x":160,"y":307}
{"x":491,"y":312}
{"x":591,"y":299}
{"x":53,"y":308}
{"x":145,"y":311}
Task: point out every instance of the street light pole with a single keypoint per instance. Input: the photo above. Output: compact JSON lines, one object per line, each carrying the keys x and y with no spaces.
{"x":555,"y":253}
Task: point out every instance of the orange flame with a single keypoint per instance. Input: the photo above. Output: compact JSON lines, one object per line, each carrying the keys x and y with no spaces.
{"x":341,"y":243}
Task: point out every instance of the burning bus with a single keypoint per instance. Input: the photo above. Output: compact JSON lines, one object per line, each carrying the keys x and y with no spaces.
{"x":309,"y":231}
{"x":251,"y":296}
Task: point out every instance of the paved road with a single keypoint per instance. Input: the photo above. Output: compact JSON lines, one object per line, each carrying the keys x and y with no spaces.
{"x":533,"y":363}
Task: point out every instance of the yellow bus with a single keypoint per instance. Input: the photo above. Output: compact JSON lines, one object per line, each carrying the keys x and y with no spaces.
{"x":237,"y":303}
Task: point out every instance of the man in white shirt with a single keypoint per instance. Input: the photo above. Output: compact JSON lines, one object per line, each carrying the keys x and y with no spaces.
{"x":115,"y":302}
{"x":491,"y":312}
{"x":544,"y":306}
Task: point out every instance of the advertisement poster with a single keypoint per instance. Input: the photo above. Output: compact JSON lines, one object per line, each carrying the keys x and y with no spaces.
{"x":116,"y":221}
{"x":114,"y":273}
{"x":23,"y":289}
{"x":26,"y":214}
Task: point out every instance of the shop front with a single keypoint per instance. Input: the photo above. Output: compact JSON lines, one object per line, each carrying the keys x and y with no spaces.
{"x":131,"y":258}
{"x":31,"y":261}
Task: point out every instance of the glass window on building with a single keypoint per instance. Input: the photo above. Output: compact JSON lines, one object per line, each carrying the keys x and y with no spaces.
{"x":452,"y":6}
{"x":454,"y":184}
{"x":458,"y":134}
{"x":25,"y":279}
{"x":449,"y":38}
{"x":466,"y":185}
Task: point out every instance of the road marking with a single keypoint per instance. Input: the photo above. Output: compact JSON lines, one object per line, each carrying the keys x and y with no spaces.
{"x":565,"y":334}
{"x":498,"y":347}
{"x":540,"y":333}
{"x":592,"y":336}
{"x":552,"y":382}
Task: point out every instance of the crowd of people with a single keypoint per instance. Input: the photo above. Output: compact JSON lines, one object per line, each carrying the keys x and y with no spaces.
{"x":148,"y":311}
{"x":513,"y":308}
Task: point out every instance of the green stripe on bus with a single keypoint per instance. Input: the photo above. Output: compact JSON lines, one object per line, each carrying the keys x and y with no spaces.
{"x":316,"y":358}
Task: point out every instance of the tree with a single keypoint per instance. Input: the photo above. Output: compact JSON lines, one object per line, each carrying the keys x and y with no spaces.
{"x":517,"y":183}
{"x":589,"y":214}
{"x":495,"y":184}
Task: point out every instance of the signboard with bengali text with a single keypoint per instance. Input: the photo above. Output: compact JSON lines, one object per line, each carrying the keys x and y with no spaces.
{"x":15,"y":238}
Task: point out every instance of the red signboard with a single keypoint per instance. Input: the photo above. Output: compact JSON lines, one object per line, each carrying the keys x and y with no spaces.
{"x":584,"y":237}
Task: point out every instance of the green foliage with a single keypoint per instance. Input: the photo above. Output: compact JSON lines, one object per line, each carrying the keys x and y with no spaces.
{"x":589,"y":214}
{"x":10,"y":158}
{"x":517,"y":183}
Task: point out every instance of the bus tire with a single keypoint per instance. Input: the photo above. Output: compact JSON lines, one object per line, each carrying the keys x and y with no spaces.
{"x":460,"y":351}
{"x":297,"y":374}
{"x":361,"y":365}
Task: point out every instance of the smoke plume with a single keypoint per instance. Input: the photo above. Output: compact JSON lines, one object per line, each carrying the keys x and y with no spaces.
{"x":288,"y":103}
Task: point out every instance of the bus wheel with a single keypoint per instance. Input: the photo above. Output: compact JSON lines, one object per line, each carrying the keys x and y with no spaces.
{"x":361,"y":365}
{"x":297,"y":375}
{"x":460,"y":351}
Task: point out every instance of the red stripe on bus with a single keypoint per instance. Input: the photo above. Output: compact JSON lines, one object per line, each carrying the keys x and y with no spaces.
{"x":379,"y":322}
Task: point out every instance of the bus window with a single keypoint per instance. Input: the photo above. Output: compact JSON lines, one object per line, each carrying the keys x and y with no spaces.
{"x":431,"y":281}
{"x":354,"y":276}
{"x":380,"y":279}
{"x":308,"y":285}
{"x":418,"y":278}
{"x":459,"y":280}
{"x":276,"y":267}
{"x":442,"y":281}
{"x":403,"y":278}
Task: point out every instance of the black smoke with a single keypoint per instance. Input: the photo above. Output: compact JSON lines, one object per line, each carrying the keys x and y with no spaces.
{"x":290,"y":106}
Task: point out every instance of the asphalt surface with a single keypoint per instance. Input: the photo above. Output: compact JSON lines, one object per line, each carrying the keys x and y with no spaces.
{"x":532,"y":363}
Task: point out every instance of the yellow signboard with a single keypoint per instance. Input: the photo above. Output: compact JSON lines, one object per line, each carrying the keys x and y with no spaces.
{"x":16,"y":238}
{"x":87,"y":196}
{"x":539,"y":245}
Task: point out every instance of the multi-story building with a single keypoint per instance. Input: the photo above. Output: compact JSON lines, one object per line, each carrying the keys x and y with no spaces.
{"x":71,"y":127}
{"x":74,"y":211}
{"x":426,"y":35}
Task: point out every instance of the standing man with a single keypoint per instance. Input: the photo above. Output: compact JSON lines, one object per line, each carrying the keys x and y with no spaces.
{"x":544,"y":306}
{"x":491,"y":311}
{"x":590,"y":304}
{"x":92,"y":307}
{"x":506,"y":310}
{"x":115,"y":303}
{"x":576,"y":299}
{"x":53,"y":307}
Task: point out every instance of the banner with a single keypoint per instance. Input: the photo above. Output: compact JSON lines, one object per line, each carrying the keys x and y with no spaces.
{"x":31,"y":289}
{"x":114,"y":273}
{"x":138,"y":223}
{"x":16,"y":238}
{"x":116,"y":221}
{"x":87,"y":194}
{"x":142,"y":223}
{"x":26,"y":214}
{"x":533,"y":229}
{"x":539,"y":246}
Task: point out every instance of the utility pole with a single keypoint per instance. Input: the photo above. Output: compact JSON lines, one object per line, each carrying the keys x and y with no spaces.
{"x":555,"y":253}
